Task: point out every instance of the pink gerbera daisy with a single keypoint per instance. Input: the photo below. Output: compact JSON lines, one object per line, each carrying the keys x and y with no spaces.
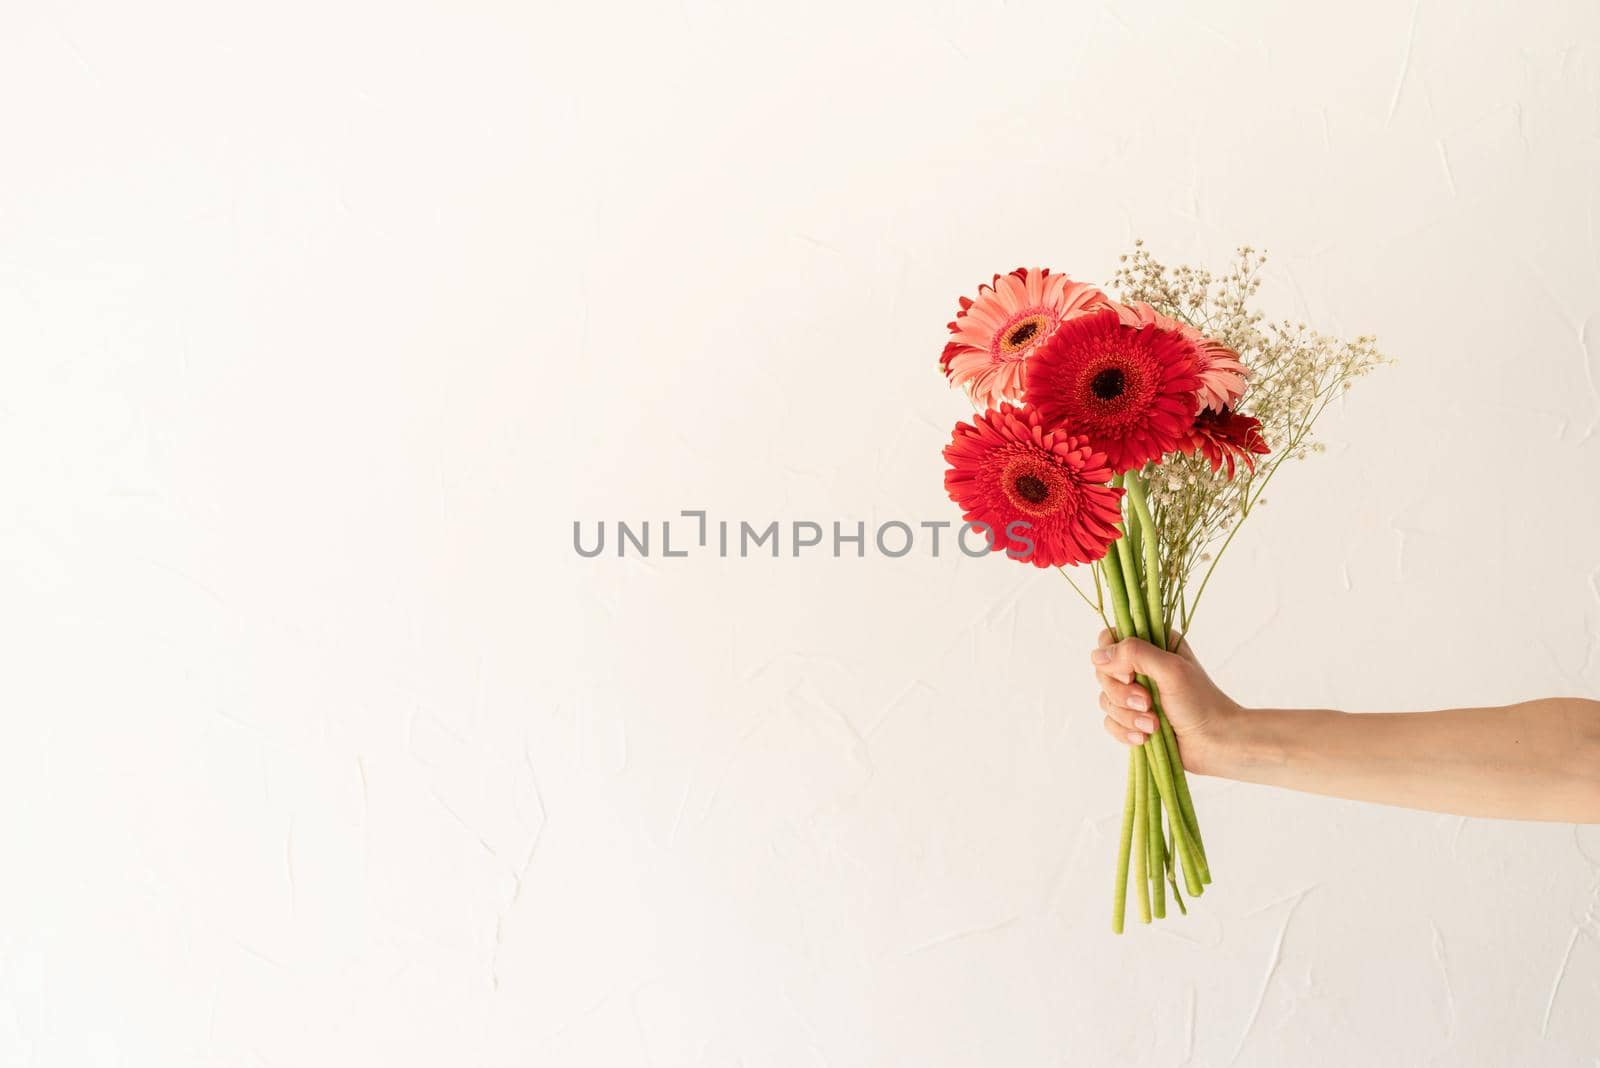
{"x":995,"y":334}
{"x":1222,"y":376}
{"x":1040,"y":490}
{"x":1129,"y":385}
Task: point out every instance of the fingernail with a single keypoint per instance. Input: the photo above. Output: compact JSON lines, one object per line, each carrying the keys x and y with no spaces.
{"x":1138,"y":702}
{"x":1101,"y":656}
{"x":1135,"y":737}
{"x":1146,"y":724}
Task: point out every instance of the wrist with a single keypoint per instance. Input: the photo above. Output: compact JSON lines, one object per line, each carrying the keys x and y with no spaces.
{"x":1231,"y":740}
{"x":1263,"y":745}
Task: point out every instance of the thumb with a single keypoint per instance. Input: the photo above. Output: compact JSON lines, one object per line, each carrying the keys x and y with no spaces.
{"x":1133,"y":656}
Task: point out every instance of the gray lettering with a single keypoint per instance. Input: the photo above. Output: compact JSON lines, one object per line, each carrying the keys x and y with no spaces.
{"x":884,"y":549}
{"x":577,"y":543}
{"x":815,"y":540}
{"x":859,"y":537}
{"x":988,"y":538}
{"x":746,"y":530}
{"x":1012,"y":533}
{"x":701,"y":515}
{"x":642,"y":547}
{"x":666,"y":541}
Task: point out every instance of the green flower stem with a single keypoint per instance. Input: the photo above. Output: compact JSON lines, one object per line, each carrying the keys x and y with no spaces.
{"x":1172,"y":874}
{"x":1186,"y":815}
{"x":1174,"y":760}
{"x":1119,"y":609}
{"x":1187,"y":852}
{"x":1119,"y":896}
{"x":1155,"y":616}
{"x":1141,"y":543}
{"x":1128,"y":612}
{"x":1140,"y":840}
{"x":1128,"y":570}
{"x":1152,"y":560}
{"x":1156,"y":865}
{"x":1119,"y":594}
{"x":1133,"y":533}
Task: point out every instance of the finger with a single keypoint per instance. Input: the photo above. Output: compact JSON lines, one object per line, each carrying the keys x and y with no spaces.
{"x":1125,"y":718}
{"x":1131,"y":719}
{"x":1105,"y":675}
{"x":1135,"y":655}
{"x":1121,"y":734}
{"x":1133,"y":701}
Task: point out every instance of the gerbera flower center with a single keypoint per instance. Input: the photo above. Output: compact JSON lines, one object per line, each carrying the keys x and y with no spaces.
{"x":1022,"y":333}
{"x":1034,"y":484}
{"x":1032,"y":489}
{"x":1109,"y":384}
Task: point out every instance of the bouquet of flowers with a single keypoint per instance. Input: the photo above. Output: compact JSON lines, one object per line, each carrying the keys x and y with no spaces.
{"x":1134,"y":435}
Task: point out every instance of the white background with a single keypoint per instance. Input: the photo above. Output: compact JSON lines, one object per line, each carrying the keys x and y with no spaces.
{"x":321,"y":324}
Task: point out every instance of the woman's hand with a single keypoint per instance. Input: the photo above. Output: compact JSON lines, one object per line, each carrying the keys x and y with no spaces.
{"x":1198,"y":711}
{"x":1538,"y":760}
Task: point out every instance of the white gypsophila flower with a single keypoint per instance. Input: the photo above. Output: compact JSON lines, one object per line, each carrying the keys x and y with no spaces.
{"x":1294,"y":373}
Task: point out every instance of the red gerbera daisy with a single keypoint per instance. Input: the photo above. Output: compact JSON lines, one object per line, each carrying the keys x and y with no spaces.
{"x":1129,"y":385}
{"x":1222,"y":375}
{"x":1225,"y":437}
{"x":997,"y":332}
{"x":1008,"y":467}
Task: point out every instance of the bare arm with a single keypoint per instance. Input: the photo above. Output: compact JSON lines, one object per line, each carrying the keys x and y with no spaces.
{"x":1539,"y":760}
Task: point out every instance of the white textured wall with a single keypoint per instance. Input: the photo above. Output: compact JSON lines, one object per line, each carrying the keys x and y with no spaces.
{"x":320,"y":324}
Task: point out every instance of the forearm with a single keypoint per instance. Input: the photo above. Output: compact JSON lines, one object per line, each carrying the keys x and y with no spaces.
{"x":1539,"y":760}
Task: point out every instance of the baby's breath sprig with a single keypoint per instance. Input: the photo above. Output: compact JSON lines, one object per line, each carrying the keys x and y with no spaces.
{"x":1295,"y":372}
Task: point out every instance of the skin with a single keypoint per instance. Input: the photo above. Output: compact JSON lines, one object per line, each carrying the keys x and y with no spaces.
{"x":1538,"y":760}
